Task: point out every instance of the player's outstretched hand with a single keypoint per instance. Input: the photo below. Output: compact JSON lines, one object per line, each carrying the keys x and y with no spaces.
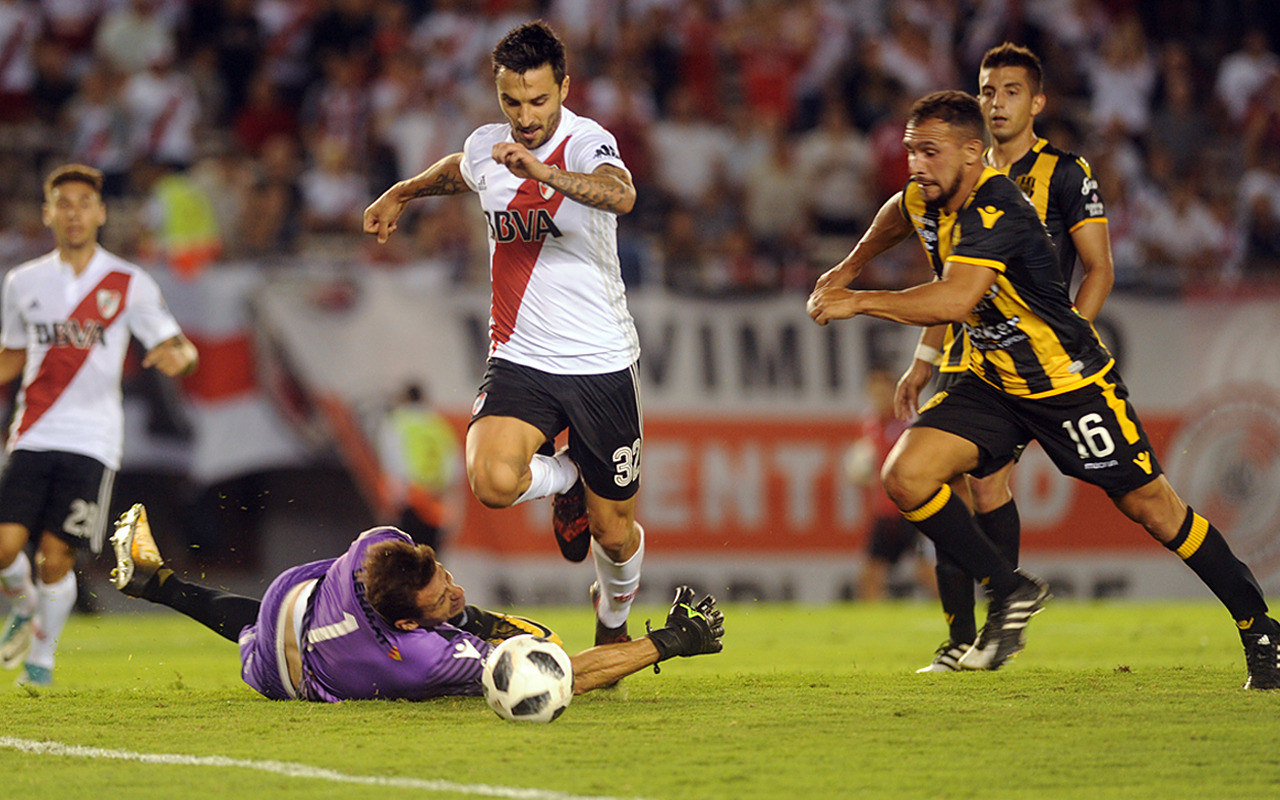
{"x":692,"y":628}
{"x":906,"y":394}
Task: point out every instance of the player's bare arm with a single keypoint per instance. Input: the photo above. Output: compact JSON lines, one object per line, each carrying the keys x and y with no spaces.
{"x":906,"y":395}
{"x":949,"y":299}
{"x":888,"y":228}
{"x":442,"y":178}
{"x":11,"y":364}
{"x":608,"y":188}
{"x":599,"y":667}
{"x":1093,"y":244}
{"x":174,"y":356}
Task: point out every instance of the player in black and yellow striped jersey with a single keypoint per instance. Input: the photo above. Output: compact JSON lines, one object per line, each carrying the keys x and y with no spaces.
{"x":1061,"y":187}
{"x":1039,"y":372}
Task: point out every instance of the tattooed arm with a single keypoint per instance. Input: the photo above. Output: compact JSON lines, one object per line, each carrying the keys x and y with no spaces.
{"x":441,"y":178}
{"x":609,"y":188}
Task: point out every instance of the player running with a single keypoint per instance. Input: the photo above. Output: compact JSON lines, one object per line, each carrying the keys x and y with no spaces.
{"x":1061,"y":187}
{"x":563,"y":346}
{"x":382,"y":621}
{"x":1037,"y":369}
{"x":67,"y":320}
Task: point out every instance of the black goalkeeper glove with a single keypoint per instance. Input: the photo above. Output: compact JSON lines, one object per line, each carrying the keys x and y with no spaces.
{"x":691,"y":629}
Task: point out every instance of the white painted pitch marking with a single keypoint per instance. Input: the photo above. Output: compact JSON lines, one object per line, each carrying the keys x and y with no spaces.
{"x":289,"y":770}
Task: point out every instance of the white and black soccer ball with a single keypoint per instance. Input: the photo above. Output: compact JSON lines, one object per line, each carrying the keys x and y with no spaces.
{"x":528,"y":679}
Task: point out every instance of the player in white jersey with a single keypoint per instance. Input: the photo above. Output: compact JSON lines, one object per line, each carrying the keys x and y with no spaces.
{"x":67,"y":320}
{"x":563,"y":346}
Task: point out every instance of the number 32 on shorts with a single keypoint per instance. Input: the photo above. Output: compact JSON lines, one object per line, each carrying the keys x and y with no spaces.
{"x":627,"y":464}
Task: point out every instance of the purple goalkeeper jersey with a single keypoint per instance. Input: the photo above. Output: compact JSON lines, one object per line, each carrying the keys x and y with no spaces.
{"x":348,"y":651}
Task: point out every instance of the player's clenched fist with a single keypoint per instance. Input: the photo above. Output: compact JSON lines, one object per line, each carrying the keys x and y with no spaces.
{"x":523,"y":164}
{"x":382,"y":214}
{"x":832,"y":302}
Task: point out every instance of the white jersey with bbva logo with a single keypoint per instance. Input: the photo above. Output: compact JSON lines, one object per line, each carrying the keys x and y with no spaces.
{"x":559,"y":304}
{"x":76,"y":332}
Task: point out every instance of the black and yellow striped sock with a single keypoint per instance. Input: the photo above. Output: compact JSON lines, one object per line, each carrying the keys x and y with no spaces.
{"x":1201,"y":547}
{"x":946,"y":520}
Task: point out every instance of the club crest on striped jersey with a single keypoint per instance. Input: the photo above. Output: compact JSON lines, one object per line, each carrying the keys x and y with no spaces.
{"x":108,"y":302}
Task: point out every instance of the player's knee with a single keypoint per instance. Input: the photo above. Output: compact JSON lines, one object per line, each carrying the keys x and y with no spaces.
{"x":8,"y":553}
{"x":494,"y":488}
{"x":615,"y":532}
{"x":906,"y":487}
{"x":54,"y":559}
{"x":13,"y":538}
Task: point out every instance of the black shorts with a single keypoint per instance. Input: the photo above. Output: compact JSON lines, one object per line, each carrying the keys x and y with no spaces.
{"x":948,"y":379}
{"x":891,"y":538}
{"x":1091,"y":433}
{"x":66,"y":494}
{"x":602,"y":413}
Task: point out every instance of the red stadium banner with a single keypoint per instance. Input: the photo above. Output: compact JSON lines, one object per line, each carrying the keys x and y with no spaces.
{"x":765,"y":486}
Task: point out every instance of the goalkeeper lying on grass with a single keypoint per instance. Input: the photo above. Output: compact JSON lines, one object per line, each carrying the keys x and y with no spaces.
{"x":383,"y":620}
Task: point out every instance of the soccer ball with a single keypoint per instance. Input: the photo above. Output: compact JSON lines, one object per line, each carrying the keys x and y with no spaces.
{"x":528,"y":679}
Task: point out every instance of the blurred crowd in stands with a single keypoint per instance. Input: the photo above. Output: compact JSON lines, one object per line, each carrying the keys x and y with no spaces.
{"x":762,"y":134}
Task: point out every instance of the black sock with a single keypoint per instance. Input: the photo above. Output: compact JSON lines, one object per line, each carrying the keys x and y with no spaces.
{"x":955,"y":591}
{"x":947,"y":521}
{"x":1004,"y":528}
{"x":222,"y":612}
{"x":1202,"y":548}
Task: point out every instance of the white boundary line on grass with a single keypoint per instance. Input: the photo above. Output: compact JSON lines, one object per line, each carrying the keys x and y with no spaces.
{"x":289,"y":770}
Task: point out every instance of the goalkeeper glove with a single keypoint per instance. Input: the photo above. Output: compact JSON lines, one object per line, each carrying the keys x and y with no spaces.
{"x":691,"y":629}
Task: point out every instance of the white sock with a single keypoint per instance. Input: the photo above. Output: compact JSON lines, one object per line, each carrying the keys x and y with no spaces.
{"x":56,"y":602}
{"x":16,"y":584}
{"x":551,"y":475}
{"x":618,"y":583}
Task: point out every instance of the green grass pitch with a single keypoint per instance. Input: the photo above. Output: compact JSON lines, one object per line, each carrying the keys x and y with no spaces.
{"x":1116,"y":700}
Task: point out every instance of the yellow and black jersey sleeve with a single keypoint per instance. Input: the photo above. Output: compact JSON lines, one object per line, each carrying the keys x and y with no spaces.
{"x":1065,"y":194}
{"x":1028,"y":338}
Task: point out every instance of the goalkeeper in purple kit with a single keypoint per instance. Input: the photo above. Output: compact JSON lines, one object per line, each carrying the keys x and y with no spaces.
{"x":382,"y":621}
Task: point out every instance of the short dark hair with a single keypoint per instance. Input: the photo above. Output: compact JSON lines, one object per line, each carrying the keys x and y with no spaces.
{"x":68,"y":173}
{"x":393,"y":574}
{"x":1015,"y":55}
{"x":958,"y":109}
{"x":529,"y":46}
